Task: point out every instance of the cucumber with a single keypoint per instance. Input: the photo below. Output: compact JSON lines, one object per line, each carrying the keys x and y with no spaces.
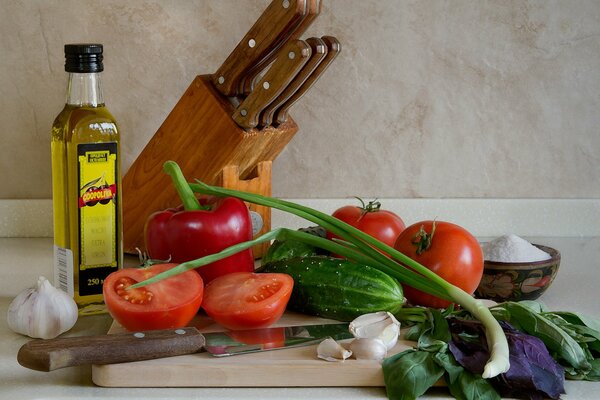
{"x":284,"y":249}
{"x":338,"y":289}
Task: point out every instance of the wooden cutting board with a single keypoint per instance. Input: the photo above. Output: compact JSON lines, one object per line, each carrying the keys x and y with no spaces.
{"x":291,"y":367}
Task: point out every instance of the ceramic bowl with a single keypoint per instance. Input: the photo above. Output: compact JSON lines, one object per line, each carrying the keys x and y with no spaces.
{"x":514,"y":281}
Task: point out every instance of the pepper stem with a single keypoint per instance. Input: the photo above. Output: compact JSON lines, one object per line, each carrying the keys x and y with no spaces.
{"x":187,"y":196}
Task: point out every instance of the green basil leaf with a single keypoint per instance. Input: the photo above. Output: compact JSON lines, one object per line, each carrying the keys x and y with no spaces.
{"x":555,"y":339}
{"x":414,"y":332}
{"x":463,"y":384}
{"x":409,"y":374}
{"x":575,"y":331}
{"x":534,"y":305}
{"x":594,"y":373}
{"x":437,"y":337}
{"x":580,"y":319}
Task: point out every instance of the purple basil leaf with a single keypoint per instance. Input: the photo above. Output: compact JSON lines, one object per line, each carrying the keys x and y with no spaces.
{"x":533,"y":373}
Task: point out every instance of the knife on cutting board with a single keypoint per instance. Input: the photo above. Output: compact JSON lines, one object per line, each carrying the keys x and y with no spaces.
{"x":290,"y":60}
{"x":319,"y":51}
{"x":253,"y":75}
{"x":333,"y":49}
{"x":50,"y":354}
{"x":268,"y":33}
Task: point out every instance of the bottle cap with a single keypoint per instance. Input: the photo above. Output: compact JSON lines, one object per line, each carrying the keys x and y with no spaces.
{"x":83,"y":57}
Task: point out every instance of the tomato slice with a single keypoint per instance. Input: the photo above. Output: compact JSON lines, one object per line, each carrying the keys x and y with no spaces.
{"x":247,"y":300}
{"x":170,"y":303}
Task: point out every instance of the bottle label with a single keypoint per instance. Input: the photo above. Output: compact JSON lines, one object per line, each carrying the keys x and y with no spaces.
{"x":98,"y":241}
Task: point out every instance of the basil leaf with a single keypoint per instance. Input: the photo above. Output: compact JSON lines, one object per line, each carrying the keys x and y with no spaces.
{"x":464,"y":385}
{"x":594,"y":373}
{"x":437,"y":337}
{"x":414,"y":332}
{"x":557,"y":341}
{"x":409,"y":374}
{"x":580,"y":319}
{"x":535,"y":306}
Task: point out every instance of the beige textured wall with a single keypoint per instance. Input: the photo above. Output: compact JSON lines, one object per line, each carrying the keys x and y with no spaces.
{"x":428,"y":98}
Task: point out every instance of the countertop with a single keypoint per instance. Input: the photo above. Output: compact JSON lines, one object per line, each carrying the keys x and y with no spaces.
{"x":23,"y":260}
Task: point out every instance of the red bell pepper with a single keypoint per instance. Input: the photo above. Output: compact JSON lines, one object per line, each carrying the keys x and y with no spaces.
{"x":200,"y":228}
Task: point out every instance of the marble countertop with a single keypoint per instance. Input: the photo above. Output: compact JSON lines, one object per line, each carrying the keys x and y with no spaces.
{"x":23,"y":260}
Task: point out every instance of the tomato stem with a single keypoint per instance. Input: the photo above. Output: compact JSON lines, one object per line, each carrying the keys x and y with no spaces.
{"x":422,"y":240}
{"x":372,"y":206}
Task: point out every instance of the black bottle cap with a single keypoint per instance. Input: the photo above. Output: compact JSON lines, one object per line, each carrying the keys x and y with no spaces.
{"x":83,"y":57}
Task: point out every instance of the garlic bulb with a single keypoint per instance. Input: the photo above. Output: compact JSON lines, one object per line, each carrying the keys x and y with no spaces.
{"x":42,"y":312}
{"x":380,"y":325}
{"x":368,"y":349}
{"x":330,"y":350}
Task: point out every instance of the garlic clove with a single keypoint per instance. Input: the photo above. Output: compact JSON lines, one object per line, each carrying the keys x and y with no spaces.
{"x":389,"y":335}
{"x":42,"y":312}
{"x":330,"y":350}
{"x":378,"y":325}
{"x":368,"y":349}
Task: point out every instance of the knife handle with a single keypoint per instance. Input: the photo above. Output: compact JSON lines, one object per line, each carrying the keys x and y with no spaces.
{"x":278,"y":20}
{"x":289,"y":61}
{"x":252,"y":76}
{"x":319,"y":51}
{"x":51,"y":354}
{"x":333,"y":49}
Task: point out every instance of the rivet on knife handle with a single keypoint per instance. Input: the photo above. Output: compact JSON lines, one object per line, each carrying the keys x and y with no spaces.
{"x":51,"y":354}
{"x":319,"y":51}
{"x":333,"y":49}
{"x":290,"y":60}
{"x":253,"y":75}
{"x":279,"y":19}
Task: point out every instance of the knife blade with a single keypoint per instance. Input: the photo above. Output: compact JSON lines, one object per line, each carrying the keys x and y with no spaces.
{"x":333,"y":49}
{"x":277,"y":22}
{"x":250,"y":79}
{"x":290,"y":59}
{"x":230,"y":343}
{"x":319,"y":51}
{"x":51,"y":354}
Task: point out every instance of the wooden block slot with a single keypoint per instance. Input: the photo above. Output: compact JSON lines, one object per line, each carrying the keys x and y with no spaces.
{"x":258,"y":181}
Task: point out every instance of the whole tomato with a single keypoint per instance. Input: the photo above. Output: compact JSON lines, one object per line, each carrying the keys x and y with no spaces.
{"x":448,"y":250}
{"x":381,"y":224}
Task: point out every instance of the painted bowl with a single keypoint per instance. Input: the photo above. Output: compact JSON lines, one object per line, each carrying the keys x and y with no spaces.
{"x":515,"y":281}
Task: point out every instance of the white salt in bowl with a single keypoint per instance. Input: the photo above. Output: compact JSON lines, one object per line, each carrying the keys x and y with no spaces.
{"x":515,"y":281}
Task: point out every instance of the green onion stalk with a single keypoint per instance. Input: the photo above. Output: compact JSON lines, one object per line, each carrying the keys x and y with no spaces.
{"x":355,"y":245}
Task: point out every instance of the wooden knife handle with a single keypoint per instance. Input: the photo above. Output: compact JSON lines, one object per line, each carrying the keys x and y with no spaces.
{"x":279,"y":19}
{"x":319,"y":51}
{"x":333,"y":49}
{"x":252,"y":76}
{"x":51,"y":354}
{"x":290,"y":60}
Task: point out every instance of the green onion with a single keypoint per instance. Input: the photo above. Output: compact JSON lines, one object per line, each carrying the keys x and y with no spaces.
{"x":357,"y":246}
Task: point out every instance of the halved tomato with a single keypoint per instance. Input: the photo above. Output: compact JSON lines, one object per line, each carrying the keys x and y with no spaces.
{"x":170,"y":303}
{"x":247,"y":300}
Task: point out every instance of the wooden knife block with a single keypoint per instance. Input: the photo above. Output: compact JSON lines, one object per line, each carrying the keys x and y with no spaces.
{"x":208,"y":145}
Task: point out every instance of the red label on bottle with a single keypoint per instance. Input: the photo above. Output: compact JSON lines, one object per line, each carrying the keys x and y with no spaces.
{"x":102,"y":195}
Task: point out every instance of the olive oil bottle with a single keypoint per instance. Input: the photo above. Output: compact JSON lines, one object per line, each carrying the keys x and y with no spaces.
{"x":86,"y":183}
